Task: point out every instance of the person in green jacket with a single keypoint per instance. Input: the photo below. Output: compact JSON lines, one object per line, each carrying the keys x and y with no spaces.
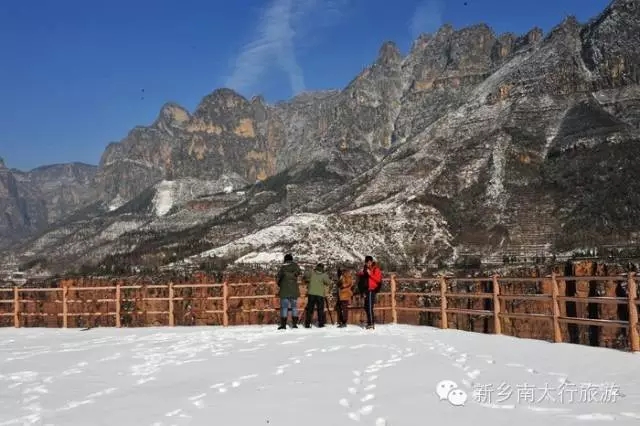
{"x":316,"y":280}
{"x":289,"y":292}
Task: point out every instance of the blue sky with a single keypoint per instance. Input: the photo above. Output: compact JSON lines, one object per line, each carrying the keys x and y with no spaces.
{"x":73,"y":71}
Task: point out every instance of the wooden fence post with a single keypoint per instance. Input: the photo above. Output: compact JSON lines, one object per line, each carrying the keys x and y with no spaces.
{"x":225,"y":303}
{"x":171,"y":316}
{"x":632,"y":292}
{"x":16,"y":307}
{"x":118,"y":297}
{"x":145,"y":296}
{"x":394,"y":311}
{"x":65,"y":306}
{"x":497,"y":325}
{"x":443,"y":303}
{"x":557,"y":334}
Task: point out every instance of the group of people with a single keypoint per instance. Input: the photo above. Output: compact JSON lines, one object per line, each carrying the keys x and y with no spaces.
{"x":318,"y":281}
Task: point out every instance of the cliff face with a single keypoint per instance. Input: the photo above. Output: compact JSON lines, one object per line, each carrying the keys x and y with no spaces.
{"x":474,"y":142}
{"x":30,"y":201}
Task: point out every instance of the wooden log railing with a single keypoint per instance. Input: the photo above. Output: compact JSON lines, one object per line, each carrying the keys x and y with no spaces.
{"x":222,"y":303}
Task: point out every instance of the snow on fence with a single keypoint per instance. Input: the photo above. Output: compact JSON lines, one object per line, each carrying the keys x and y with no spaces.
{"x":521,"y":307}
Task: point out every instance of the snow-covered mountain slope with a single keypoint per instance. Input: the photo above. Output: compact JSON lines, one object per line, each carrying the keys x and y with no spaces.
{"x":406,"y":232}
{"x":167,"y":206}
{"x":257,"y":375}
{"x":175,"y":193}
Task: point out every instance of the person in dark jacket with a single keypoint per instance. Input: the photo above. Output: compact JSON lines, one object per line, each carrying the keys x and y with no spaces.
{"x":317,"y":280}
{"x":374,"y":277}
{"x":287,"y":280}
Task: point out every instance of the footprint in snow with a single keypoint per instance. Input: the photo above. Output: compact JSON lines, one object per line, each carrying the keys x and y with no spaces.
{"x":474,"y":374}
{"x":143,"y":381}
{"x":366,"y":410}
{"x":631,"y":415}
{"x":101,"y":393}
{"x":595,"y":416}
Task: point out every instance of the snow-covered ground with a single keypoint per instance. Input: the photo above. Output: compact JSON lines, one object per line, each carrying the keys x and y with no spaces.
{"x":257,"y":375}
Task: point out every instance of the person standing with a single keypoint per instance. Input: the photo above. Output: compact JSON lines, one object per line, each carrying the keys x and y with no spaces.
{"x":289,"y":292}
{"x":317,"y":280}
{"x":373,"y":274}
{"x":345,"y":293}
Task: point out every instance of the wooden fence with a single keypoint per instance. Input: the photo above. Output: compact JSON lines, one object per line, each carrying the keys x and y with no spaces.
{"x":522,"y":307}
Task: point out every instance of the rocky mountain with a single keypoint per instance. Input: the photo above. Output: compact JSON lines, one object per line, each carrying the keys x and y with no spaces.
{"x":474,"y":142}
{"x":31,"y":201}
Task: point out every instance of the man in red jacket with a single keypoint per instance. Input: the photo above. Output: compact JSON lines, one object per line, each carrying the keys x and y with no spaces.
{"x":374,"y":275}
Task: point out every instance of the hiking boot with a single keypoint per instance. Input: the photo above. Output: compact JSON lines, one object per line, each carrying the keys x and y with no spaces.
{"x":294,"y":324}
{"x":371,"y":327}
{"x":283,"y":323}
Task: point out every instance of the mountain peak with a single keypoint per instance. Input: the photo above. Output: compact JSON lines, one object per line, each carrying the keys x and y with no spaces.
{"x":389,"y":53}
{"x":224,"y":93}
{"x":172,"y":115}
{"x":569,"y":25}
{"x":222,"y":99}
{"x":258,"y":100}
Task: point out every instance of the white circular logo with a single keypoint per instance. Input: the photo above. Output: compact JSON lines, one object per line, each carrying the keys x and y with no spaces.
{"x":448,"y":389}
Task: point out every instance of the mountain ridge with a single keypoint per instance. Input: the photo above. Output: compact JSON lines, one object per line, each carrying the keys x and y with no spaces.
{"x":478,"y":141}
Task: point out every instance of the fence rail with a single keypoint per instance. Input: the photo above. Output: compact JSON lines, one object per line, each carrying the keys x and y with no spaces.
{"x":227,"y":300}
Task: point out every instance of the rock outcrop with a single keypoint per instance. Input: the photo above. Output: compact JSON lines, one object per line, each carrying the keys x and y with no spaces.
{"x":31,"y":201}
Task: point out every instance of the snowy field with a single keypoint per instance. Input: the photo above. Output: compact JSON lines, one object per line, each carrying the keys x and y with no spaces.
{"x":257,"y":375}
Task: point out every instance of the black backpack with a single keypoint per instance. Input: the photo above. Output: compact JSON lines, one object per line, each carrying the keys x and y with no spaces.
{"x":363,"y":283}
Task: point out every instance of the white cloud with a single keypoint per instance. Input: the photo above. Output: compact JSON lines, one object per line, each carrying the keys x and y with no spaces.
{"x":282,"y":29}
{"x":427,"y":17}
